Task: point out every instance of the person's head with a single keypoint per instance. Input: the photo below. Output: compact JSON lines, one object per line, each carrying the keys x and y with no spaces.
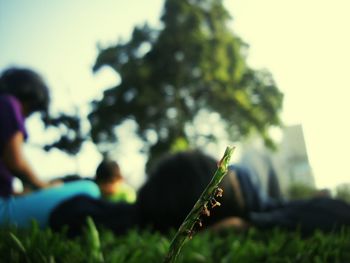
{"x":175,"y":183}
{"x":28,"y":87}
{"x":107,"y":175}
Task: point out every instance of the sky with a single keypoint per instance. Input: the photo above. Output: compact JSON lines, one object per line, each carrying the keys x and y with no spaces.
{"x":303,"y":43}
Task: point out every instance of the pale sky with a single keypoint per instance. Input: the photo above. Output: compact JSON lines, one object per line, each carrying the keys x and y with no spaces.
{"x":304,"y":43}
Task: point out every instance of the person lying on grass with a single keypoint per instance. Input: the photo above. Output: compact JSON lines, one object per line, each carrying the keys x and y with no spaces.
{"x":174,"y":185}
{"x":23,"y":93}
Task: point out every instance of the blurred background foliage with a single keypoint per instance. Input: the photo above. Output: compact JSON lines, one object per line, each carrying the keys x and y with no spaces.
{"x":69,"y":126}
{"x":193,"y":65}
{"x":300,"y":191}
{"x":342,"y":191}
{"x":303,"y":191}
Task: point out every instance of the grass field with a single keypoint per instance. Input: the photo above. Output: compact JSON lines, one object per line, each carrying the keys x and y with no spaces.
{"x":37,"y":246}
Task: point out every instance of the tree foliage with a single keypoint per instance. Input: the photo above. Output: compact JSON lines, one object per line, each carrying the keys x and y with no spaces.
{"x":193,"y":64}
{"x":71,"y":136}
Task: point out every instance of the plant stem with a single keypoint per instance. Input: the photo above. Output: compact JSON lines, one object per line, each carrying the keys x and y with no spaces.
{"x":212,"y":190}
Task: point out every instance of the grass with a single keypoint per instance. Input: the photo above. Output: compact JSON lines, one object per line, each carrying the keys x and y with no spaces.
{"x":274,"y":246}
{"x":34,"y":245}
{"x":205,"y":202}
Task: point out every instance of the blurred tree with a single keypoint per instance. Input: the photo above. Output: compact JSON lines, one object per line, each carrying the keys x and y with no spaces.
{"x":342,"y":191}
{"x":71,"y":137}
{"x":194,"y":64}
{"x":301,"y":191}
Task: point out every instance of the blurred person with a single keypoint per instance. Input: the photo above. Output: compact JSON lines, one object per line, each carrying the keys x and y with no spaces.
{"x":22,"y":93}
{"x":112,"y":184}
{"x":261,"y":171}
{"x":174,"y":185}
{"x":178,"y":180}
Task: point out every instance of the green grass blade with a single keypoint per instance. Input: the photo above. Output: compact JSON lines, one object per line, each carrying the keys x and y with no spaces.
{"x":201,"y":207}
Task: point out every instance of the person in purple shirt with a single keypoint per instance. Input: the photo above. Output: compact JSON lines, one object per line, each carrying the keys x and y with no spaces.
{"x":22,"y":93}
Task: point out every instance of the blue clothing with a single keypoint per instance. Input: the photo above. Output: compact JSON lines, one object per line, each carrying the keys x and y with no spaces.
{"x":265,"y":212}
{"x":255,"y":198}
{"x":21,"y":210}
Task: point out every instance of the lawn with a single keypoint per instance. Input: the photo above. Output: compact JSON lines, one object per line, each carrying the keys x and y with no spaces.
{"x":34,"y":245}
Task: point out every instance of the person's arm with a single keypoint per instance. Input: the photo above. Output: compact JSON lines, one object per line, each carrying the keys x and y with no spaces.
{"x":14,"y":159}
